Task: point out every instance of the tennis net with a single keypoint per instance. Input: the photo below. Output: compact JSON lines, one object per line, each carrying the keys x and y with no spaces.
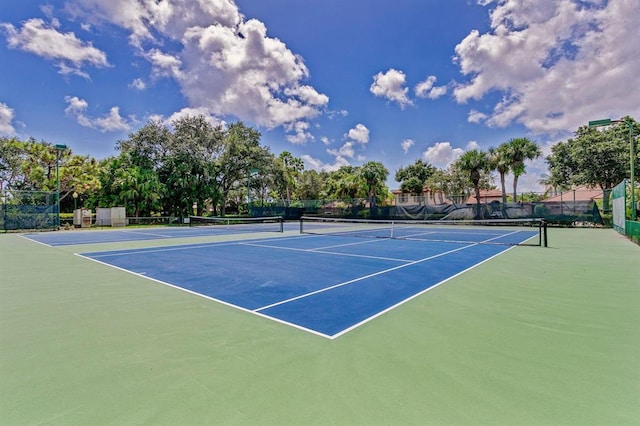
{"x":531,"y":232}
{"x":240,"y":224}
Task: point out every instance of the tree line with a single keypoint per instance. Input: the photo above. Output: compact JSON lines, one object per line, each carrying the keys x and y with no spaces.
{"x":168,"y":169}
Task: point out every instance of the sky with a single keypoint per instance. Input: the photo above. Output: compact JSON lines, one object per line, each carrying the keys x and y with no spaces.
{"x":334,"y":82}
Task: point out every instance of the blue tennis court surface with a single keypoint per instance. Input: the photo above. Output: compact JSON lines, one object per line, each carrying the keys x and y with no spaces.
{"x":327,"y":285}
{"x":63,"y":238}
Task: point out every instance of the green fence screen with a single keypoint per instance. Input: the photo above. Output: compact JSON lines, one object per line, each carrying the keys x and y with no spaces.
{"x":25,"y":210}
{"x":621,"y":224}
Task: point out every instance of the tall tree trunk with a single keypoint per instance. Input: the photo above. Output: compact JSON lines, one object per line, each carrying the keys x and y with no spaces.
{"x":478,"y":215}
{"x":515,"y":185}
{"x":504,"y":189}
{"x":606,"y":193}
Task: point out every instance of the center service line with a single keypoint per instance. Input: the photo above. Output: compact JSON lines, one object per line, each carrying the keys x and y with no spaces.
{"x":363,"y":278}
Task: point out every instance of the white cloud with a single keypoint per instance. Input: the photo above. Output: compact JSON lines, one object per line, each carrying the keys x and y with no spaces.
{"x":308,"y":95}
{"x":298,"y":133}
{"x":359,"y":134}
{"x":222,"y":62}
{"x":111,"y":122}
{"x":426,"y":88}
{"x":406,"y":145}
{"x":69,"y":52}
{"x":558,"y":63}
{"x":442,"y":154}
{"x":164,"y":64}
{"x":138,"y":84}
{"x":347,"y":150}
{"x":6,"y":117}
{"x":476,"y":116}
{"x":355,"y":140}
{"x":391,"y":86}
{"x":187,"y":112}
{"x":334,"y":114}
{"x":471,"y":145}
{"x":318,"y":165}
{"x":194,"y":112}
{"x":148,"y":20}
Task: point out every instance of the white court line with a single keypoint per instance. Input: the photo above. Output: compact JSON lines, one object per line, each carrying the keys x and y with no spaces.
{"x":150,"y":233}
{"x":365,"y":277}
{"x":177,"y":287}
{"x":352,"y":244}
{"x":34,"y":241}
{"x":487,"y":241}
{"x":384,"y":311}
{"x":159,"y":250}
{"x":327,"y":252}
{"x":182,"y":247}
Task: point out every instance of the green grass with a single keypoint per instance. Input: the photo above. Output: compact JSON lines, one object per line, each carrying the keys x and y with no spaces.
{"x":534,"y":336}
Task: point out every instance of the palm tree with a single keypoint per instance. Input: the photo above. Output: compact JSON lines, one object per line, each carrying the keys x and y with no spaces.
{"x":517,"y":150}
{"x":500,"y":163}
{"x":474,"y":162}
{"x":289,"y":169}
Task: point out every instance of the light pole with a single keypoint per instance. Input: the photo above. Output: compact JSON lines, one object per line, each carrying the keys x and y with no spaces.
{"x":75,"y":201}
{"x":59,"y":149}
{"x":632,"y":156}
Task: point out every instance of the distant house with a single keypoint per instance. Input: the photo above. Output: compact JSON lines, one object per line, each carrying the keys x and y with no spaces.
{"x":578,"y":201}
{"x":437,"y":198}
{"x":486,"y":197}
{"x":580,"y":193}
{"x":426,"y":198}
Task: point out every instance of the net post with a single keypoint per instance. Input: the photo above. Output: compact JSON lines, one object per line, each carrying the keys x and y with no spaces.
{"x":301,"y":221}
{"x":543,"y":224}
{"x":281,"y":221}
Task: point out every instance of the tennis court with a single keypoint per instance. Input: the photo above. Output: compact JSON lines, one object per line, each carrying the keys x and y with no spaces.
{"x":319,"y":283}
{"x":320,"y":329}
{"x":202,"y":228}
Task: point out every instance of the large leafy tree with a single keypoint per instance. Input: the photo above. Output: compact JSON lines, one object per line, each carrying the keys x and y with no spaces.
{"x":241,"y":155}
{"x":563,"y":167}
{"x":437,"y":186}
{"x":344,"y":184}
{"x":261,"y":181}
{"x":123,"y":183}
{"x":474,"y":163}
{"x":148,"y":146}
{"x":188,"y":170}
{"x":374,"y":175}
{"x":13,"y":153}
{"x":31,"y":165}
{"x":311,"y":185}
{"x":79,"y":175}
{"x":413,"y":177}
{"x":133,"y":178}
{"x":109,"y":193}
{"x":38,"y":170}
{"x":517,"y":151}
{"x":595,"y":157}
{"x":140,"y":190}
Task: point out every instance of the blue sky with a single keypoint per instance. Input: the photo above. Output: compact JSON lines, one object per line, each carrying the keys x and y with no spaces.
{"x":334,"y":81}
